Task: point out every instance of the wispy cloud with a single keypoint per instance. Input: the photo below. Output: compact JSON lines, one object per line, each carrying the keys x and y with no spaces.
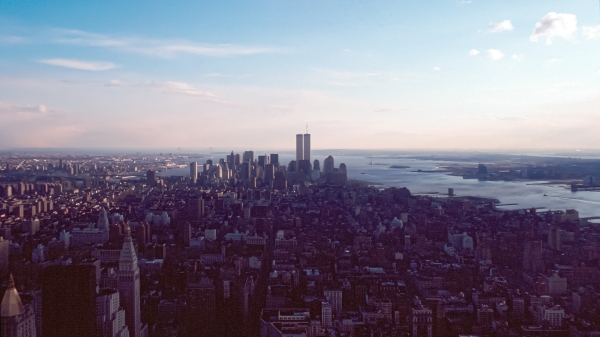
{"x":518,"y":57}
{"x":502,"y":26}
{"x":11,"y":39}
{"x":437,"y":68}
{"x":555,"y":25}
{"x":160,"y":48}
{"x":495,"y":54}
{"x":474,"y":52}
{"x":7,"y":108}
{"x":592,"y":32}
{"x":80,"y":65}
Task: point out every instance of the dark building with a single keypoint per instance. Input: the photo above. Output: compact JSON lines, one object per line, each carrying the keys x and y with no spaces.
{"x":69,"y":301}
{"x":305,"y":166}
{"x":151,"y":177}
{"x":263,"y":160}
{"x":269,"y":173}
{"x":274,"y":159}
{"x":200,"y":302}
{"x":245,"y":171}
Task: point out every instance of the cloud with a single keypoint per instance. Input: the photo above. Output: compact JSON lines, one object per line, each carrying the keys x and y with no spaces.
{"x":591,"y":32}
{"x":181,"y":88}
{"x":518,"y":57}
{"x":437,"y":69}
{"x":160,"y":48}
{"x":512,"y":118}
{"x":553,"y":25}
{"x":114,"y":83}
{"x":495,"y":54}
{"x":80,"y":65}
{"x":13,"y":109}
{"x":502,"y":26}
{"x":11,"y":39}
{"x":474,"y":52}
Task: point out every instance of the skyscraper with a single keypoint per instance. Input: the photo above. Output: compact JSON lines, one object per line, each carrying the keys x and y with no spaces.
{"x":299,"y":147}
{"x":17,"y":320}
{"x":103,"y":223}
{"x":248,"y":156}
{"x":69,"y":300}
{"x":306,"y":147}
{"x":4,"y":246}
{"x":274,"y":159}
{"x":129,"y":286}
{"x":111,"y":316}
{"x":151,"y":177}
{"x":194,"y":172}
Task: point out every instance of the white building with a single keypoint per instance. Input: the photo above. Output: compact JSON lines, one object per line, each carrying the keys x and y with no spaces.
{"x":554,"y":315}
{"x":335,"y":298}
{"x":326,"y":315}
{"x":110,"y":314}
{"x":17,"y":320}
{"x":129,"y":287}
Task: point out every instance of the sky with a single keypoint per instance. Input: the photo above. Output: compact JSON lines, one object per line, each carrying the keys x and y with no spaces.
{"x":404,"y":74}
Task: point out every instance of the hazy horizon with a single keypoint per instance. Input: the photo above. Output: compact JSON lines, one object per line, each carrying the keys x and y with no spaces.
{"x":443,"y":74}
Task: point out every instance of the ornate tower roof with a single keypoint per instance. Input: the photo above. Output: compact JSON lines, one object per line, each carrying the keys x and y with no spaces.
{"x":128,"y":259}
{"x":11,"y":302}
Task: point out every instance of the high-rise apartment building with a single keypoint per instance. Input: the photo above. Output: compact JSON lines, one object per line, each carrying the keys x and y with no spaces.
{"x":326,"y":315}
{"x":129,"y":286}
{"x":68,"y":300}
{"x":17,"y":320}
{"x":335,"y":298}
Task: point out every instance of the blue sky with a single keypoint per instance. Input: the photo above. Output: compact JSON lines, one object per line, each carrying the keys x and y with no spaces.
{"x":441,"y":74}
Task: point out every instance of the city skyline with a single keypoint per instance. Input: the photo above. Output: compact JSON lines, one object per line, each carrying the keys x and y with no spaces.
{"x":449,"y":74}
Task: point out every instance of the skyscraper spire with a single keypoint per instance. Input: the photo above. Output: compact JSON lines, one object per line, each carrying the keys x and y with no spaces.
{"x":11,"y":302}
{"x":129,"y":284}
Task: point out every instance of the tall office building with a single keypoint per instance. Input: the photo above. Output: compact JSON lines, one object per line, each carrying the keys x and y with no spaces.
{"x":194,"y":172}
{"x":17,"y":320}
{"x":299,"y":147}
{"x":129,"y":286}
{"x":269,"y":173}
{"x":111,"y":316}
{"x":248,"y":156}
{"x":4,"y":246}
{"x":263,"y":160}
{"x":103,"y":220}
{"x":69,"y":300}
{"x":151,"y":177}
{"x":274,"y":159}
{"x":306,"y":147}
{"x":328,"y":165}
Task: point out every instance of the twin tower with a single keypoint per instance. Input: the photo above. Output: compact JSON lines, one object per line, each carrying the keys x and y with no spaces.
{"x":302,"y":147}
